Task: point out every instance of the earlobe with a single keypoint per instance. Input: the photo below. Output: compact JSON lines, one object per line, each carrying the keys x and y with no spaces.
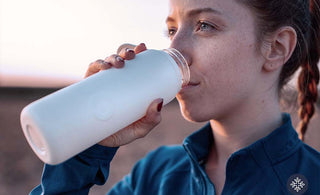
{"x":280,"y":48}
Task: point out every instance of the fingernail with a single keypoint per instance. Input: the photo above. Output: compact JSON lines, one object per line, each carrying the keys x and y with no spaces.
{"x":100,"y":61}
{"x":129,"y":50}
{"x":119,"y":59}
{"x":142,"y":44}
{"x":159,"y":107}
{"x":106,"y":63}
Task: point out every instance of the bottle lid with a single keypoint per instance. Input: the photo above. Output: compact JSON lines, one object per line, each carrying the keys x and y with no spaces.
{"x":182,"y":64}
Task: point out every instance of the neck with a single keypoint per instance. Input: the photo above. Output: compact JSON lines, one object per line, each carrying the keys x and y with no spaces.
{"x":233,"y":133}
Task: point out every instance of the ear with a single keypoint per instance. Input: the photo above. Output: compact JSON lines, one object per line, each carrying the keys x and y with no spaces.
{"x":279,"y":49}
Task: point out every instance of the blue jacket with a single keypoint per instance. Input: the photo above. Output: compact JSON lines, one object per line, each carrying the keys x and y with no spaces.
{"x":276,"y":164}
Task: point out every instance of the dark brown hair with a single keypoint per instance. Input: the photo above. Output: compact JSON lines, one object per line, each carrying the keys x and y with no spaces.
{"x":304,"y":17}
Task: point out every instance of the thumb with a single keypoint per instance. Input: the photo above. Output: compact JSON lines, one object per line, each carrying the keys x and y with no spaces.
{"x":137,"y":129}
{"x":150,"y":120}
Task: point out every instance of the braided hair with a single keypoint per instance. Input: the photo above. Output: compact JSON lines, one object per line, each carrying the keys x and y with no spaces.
{"x":304,"y":17}
{"x":309,"y":76}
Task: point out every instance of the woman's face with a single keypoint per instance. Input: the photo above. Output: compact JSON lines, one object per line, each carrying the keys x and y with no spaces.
{"x":218,"y":39}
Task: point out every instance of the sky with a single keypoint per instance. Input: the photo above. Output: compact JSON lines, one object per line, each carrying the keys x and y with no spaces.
{"x":54,"y":41}
{"x":49,"y":43}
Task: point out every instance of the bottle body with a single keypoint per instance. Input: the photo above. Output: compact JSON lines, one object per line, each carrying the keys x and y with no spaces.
{"x":74,"y":118}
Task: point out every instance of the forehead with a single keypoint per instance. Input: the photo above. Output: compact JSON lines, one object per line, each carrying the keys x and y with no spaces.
{"x":227,"y":8}
{"x":195,"y":2}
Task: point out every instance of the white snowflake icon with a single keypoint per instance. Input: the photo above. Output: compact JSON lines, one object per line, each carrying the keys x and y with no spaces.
{"x":297,"y":184}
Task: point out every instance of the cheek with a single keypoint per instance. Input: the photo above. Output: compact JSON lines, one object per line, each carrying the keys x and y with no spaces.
{"x":234,"y":62}
{"x":229,"y":74}
{"x":228,"y":70}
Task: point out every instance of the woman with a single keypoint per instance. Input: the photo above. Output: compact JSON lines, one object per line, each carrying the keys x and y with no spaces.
{"x":241,"y":53}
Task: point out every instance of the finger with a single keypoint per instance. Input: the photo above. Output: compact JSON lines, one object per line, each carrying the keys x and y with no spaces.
{"x":140,"y":48}
{"x":96,"y":66}
{"x":137,"y":129}
{"x":115,"y":60}
{"x":150,"y":120}
{"x":127,"y":53}
{"x":126,"y":45}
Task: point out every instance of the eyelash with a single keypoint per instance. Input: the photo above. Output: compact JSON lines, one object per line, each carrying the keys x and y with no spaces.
{"x":211,"y":26}
{"x":170,"y":32}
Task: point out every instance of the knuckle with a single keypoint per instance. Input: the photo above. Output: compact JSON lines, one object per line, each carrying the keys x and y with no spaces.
{"x":115,"y":140}
{"x":92,"y":64}
{"x":154,"y":120}
{"x":151,"y":121}
{"x":123,"y":51}
{"x":140,"y":133}
{"x":100,"y":61}
{"x":95,"y":63}
{"x":111,"y":57}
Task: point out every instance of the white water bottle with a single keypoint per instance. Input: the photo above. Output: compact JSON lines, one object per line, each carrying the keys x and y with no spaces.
{"x":70,"y":120}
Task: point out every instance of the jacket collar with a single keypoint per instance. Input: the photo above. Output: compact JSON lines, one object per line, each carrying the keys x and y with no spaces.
{"x":271,"y":149}
{"x":198,"y":144}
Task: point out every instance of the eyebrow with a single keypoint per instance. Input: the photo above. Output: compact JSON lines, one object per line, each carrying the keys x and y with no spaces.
{"x":201,"y":10}
{"x":196,"y":12}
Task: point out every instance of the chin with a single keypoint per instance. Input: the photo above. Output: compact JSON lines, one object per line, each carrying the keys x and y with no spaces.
{"x":193,"y":115}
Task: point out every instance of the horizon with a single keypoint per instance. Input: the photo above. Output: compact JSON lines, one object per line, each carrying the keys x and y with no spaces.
{"x":59,"y":39}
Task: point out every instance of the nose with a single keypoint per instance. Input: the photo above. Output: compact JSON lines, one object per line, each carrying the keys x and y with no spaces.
{"x":181,"y":43}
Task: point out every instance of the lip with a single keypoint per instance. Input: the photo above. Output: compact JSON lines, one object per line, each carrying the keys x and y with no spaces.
{"x":190,"y":85}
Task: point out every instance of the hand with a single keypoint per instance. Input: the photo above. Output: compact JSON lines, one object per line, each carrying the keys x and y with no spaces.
{"x":124,"y":52}
{"x":144,"y":125}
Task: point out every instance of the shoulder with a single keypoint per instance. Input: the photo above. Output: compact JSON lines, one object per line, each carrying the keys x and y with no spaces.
{"x":308,"y":166}
{"x":162,"y":161}
{"x":152,"y":171}
{"x":303,"y":162}
{"x":304,"y":158}
{"x":159,"y":164}
{"x":309,"y":155}
{"x":165,"y":156}
{"x":168,"y":151}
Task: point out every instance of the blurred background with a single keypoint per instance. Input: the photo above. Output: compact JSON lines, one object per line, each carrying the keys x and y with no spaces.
{"x":48,"y":44}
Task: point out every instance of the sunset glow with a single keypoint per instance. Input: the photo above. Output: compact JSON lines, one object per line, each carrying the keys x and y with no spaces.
{"x":62,"y":37}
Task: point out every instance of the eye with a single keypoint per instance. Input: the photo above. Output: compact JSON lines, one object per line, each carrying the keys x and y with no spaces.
{"x":205,"y":26}
{"x":170,"y":32}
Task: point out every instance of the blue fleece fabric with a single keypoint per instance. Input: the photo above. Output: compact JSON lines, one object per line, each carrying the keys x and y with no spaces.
{"x":272,"y":165}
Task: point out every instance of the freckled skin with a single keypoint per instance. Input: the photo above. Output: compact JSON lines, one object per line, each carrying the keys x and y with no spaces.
{"x":226,"y":62}
{"x":234,"y":91}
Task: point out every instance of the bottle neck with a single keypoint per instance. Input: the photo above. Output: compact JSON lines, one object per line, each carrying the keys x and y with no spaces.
{"x":182,"y":64}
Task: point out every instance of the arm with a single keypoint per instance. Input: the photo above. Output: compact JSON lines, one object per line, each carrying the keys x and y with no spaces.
{"x":77,"y":175}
